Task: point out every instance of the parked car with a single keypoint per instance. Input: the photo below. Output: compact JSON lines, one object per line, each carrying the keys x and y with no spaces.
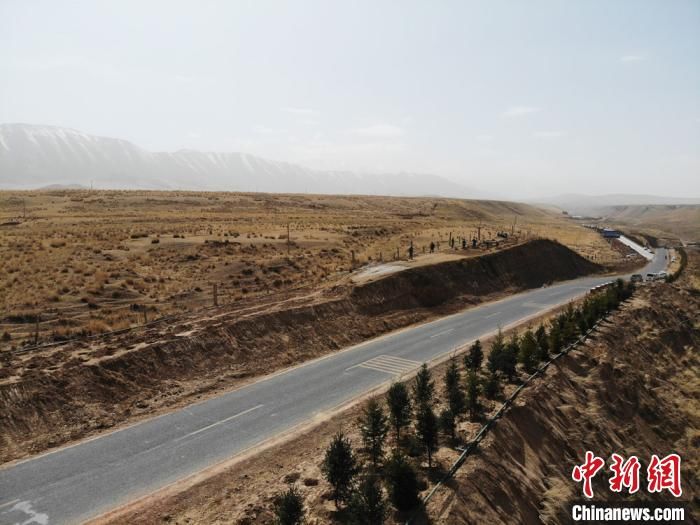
{"x":637,"y":278}
{"x":651,"y":277}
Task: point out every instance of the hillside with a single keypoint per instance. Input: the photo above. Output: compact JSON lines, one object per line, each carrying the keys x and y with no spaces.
{"x":38,"y":156}
{"x":631,"y":390}
{"x":635,"y":394}
{"x":91,"y":261}
{"x":62,"y":393}
{"x":579,"y":204}
{"x":682,"y":221}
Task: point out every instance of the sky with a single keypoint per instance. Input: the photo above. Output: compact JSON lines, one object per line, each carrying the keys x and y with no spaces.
{"x":519,"y":99}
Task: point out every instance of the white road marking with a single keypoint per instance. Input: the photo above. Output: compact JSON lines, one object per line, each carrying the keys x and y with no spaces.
{"x":442,"y":333}
{"x":219,"y":422}
{"x":400,"y":360}
{"x":33,"y":516}
{"x":492,"y":315}
{"x":531,"y":304}
{"x":382,"y":369}
{"x":388,"y":364}
{"x":9,"y":503}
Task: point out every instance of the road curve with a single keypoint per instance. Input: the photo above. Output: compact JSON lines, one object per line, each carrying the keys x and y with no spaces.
{"x":75,"y":483}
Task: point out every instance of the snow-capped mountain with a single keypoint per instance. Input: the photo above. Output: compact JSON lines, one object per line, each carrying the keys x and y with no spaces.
{"x":36,"y":156}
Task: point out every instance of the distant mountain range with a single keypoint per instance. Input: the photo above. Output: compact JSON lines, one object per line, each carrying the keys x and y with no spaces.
{"x":601,"y":205}
{"x":38,"y":156}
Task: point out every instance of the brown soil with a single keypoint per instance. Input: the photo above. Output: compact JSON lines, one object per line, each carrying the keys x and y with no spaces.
{"x":77,"y":263}
{"x":53,"y":396}
{"x":635,"y":394}
{"x":242,"y":489}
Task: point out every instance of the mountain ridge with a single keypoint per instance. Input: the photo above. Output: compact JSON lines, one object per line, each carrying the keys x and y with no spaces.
{"x":34,"y":156}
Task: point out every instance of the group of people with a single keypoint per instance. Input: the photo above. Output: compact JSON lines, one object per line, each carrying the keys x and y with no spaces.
{"x":433,"y":246}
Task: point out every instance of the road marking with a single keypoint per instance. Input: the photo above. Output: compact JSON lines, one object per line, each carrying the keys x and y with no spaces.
{"x":531,"y":304}
{"x":492,"y":315}
{"x":442,"y":333}
{"x":9,"y":503}
{"x":219,"y":422}
{"x":399,"y":360}
{"x":388,"y":364}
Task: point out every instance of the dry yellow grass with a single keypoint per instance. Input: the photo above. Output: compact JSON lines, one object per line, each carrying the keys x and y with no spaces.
{"x":89,"y":261}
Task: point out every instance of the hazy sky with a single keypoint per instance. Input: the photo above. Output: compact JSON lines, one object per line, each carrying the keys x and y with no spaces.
{"x":520,"y":98}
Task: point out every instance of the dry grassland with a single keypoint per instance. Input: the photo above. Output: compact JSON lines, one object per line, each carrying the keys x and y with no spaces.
{"x":84,"y":262}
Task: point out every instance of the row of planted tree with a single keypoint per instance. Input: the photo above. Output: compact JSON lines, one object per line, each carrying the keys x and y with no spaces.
{"x":415,"y":419}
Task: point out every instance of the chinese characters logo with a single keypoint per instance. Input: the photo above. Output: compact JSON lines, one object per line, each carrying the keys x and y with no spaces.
{"x":662,"y":473}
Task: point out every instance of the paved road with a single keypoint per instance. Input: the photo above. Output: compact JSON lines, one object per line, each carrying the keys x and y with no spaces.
{"x":79,"y":482}
{"x":641,"y":250}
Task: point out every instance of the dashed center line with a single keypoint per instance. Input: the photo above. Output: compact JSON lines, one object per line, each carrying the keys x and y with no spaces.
{"x":388,"y":364}
{"x":9,"y":503}
{"x":219,"y":422}
{"x":492,"y":315}
{"x":442,"y":333}
{"x":531,"y":304}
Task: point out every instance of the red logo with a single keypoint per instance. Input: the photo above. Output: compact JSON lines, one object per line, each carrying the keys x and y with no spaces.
{"x":625,"y":474}
{"x":587,"y":471}
{"x":665,"y":474}
{"x":662,"y":474}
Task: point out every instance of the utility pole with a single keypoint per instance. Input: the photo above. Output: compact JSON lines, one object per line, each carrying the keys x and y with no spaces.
{"x":288,"y":239}
{"x":215,"y":291}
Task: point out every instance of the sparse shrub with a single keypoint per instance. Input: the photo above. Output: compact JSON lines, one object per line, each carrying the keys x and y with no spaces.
{"x":427,"y":430}
{"x":475,"y":356}
{"x":402,"y":482}
{"x":473,"y":391}
{"x":289,"y":507}
{"x":492,"y":387}
{"x":453,"y":389}
{"x":399,"y":407}
{"x":448,"y":423}
{"x":528,"y":350}
{"x":542,"y":353}
{"x":374,"y":428}
{"x":340,"y":467}
{"x":423,"y":387}
{"x":367,"y":504}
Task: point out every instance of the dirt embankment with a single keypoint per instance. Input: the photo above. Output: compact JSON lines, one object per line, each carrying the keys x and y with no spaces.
{"x":633,"y":390}
{"x":65,"y":393}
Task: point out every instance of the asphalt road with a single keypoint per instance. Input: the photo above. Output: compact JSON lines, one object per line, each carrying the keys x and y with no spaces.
{"x":75,"y":483}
